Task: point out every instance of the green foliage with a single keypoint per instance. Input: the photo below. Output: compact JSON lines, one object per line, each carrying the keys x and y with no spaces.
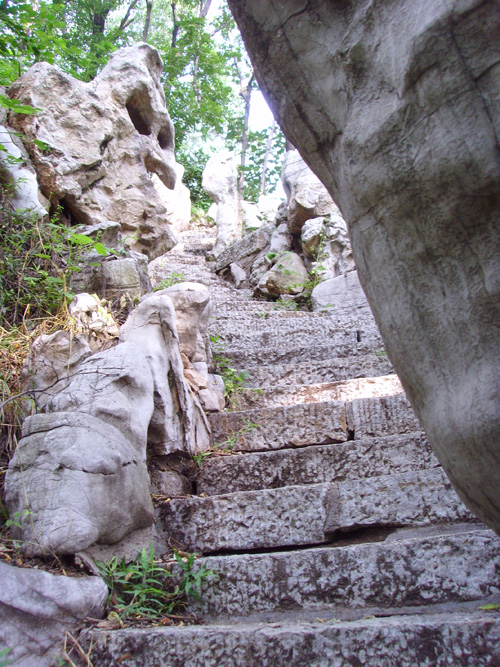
{"x":3,"y":653}
{"x":194,"y":159}
{"x":229,"y":444}
{"x":168,"y":281}
{"x":234,"y":380}
{"x":257,"y":143}
{"x":37,"y":262}
{"x":140,"y":588}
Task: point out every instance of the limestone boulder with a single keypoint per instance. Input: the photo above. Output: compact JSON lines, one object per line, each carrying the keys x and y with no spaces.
{"x":220,"y":182}
{"x":105,"y":139}
{"x":78,"y":476}
{"x":307,"y":196}
{"x":178,"y":423}
{"x":287,"y":276}
{"x":325,"y":244}
{"x":94,"y":319}
{"x":37,"y":608}
{"x":394,"y":106}
{"x":177,"y":201}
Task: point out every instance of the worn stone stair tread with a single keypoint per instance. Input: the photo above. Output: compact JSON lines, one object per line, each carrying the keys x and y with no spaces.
{"x":277,"y":427}
{"x":353,"y":459}
{"x":303,"y":515}
{"x":446,"y":567}
{"x":449,"y":638}
{"x":344,"y":390}
{"x":334,"y":369}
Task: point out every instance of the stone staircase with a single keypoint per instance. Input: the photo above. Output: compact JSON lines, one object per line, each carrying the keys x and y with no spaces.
{"x":334,"y":534}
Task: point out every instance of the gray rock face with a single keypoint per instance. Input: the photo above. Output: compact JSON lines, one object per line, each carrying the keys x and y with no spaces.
{"x":178,"y":423}
{"x":78,"y":476}
{"x":105,"y":138}
{"x":287,"y":276}
{"x":220,"y":181}
{"x":395,"y":108}
{"x":37,"y":607}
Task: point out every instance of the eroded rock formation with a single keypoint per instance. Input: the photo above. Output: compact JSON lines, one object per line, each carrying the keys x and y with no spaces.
{"x":395,"y":107}
{"x":104,"y":139}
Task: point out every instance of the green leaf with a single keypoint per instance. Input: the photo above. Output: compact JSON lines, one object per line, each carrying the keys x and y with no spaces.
{"x":80,"y":239}
{"x":41,"y":145}
{"x":17,"y":107}
{"x":491,"y":606}
{"x":100,"y":249}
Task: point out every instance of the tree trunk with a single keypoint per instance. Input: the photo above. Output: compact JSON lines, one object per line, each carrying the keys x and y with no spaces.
{"x":262,"y":189}
{"x":247,"y":96}
{"x":175,"y":28}
{"x":147,"y":20}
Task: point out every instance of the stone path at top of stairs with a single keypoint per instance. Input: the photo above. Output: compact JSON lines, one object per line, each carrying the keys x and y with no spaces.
{"x":334,"y":534}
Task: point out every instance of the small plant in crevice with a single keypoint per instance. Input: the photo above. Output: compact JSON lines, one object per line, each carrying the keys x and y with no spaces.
{"x":234,"y":380}
{"x":146,"y":589}
{"x":236,"y":437}
{"x":168,"y":281}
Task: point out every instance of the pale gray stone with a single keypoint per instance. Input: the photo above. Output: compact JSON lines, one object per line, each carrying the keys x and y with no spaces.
{"x":287,"y":276}
{"x":104,"y":139}
{"x":375,"y":417}
{"x":245,"y":251}
{"x":356,"y":459}
{"x":251,"y":216}
{"x":177,"y":201}
{"x":37,"y":608}
{"x":178,"y":423}
{"x":438,"y":640}
{"x":238,"y":274}
{"x":395,"y":108}
{"x":220,"y":182}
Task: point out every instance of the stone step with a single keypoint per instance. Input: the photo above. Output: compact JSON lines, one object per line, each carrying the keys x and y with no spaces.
{"x":457,"y":639}
{"x":336,"y":369}
{"x":353,"y":459}
{"x":308,"y":515}
{"x":375,"y":417}
{"x":272,"y":348}
{"x":445,"y":566}
{"x":348,"y":390}
{"x":233,"y":306}
{"x":263,"y":429}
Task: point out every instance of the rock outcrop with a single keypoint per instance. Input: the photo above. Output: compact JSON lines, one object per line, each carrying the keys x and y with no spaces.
{"x":220,"y":181}
{"x":395,"y":108}
{"x":37,"y":607}
{"x":78,"y":476}
{"x":104,"y":139}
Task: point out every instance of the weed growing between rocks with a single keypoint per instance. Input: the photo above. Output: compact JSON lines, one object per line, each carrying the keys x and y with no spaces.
{"x":170,"y":280}
{"x":234,"y":380}
{"x":146,"y":589}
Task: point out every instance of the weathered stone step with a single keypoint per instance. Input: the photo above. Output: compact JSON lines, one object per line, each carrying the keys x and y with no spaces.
{"x":438,"y":640}
{"x":306,"y":515}
{"x":261,"y":429}
{"x":278,"y":427}
{"x":347,"y":390}
{"x":442,"y":568}
{"x":353,"y":459}
{"x":273,"y":348}
{"x":336,"y":369}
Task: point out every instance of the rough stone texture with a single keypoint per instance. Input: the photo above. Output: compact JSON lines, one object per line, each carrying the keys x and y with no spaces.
{"x":441,"y":640}
{"x":104,"y":138}
{"x":442,"y":568}
{"x":78,"y":476}
{"x":245,"y":251}
{"x":395,"y":108}
{"x":307,"y":196}
{"x":37,"y":607}
{"x":312,"y":393}
{"x":178,"y":423}
{"x":344,"y":299}
{"x":53,"y":359}
{"x":300,"y":515}
{"x":375,"y":417}
{"x":177,"y":201}
{"x":94,"y":320}
{"x":192,"y":311}
{"x":326,"y":244}
{"x":356,"y":459}
{"x":289,"y":426}
{"x":220,"y":181}
{"x":329,"y":369}
{"x":287,"y":276}
{"x":25,"y":195}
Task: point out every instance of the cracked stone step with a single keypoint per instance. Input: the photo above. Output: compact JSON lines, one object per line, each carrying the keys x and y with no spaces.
{"x":336,"y":369}
{"x":307,"y":515}
{"x":347,"y":390}
{"x":277,"y":427}
{"x":445,"y":568}
{"x":437,"y":640}
{"x":353,"y":459}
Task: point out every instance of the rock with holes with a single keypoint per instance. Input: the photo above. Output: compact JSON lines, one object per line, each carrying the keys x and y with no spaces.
{"x":178,"y":423}
{"x":395,"y":106}
{"x":37,"y":608}
{"x":220,"y":181}
{"x":104,"y":141}
{"x":78,"y":476}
